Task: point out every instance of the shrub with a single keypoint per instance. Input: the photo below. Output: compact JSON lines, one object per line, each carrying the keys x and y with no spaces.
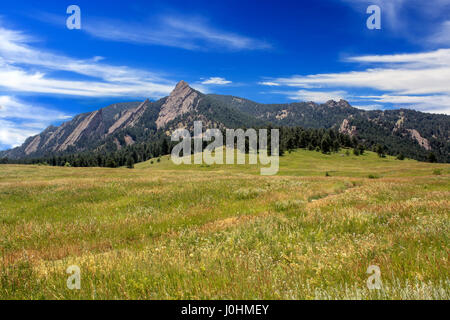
{"x":373,"y":176}
{"x":437,"y":172}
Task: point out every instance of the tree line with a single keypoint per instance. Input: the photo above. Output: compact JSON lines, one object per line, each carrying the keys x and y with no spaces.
{"x":321,"y":140}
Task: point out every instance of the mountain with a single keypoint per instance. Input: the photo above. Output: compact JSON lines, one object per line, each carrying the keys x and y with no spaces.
{"x":412,"y":133}
{"x":406,"y":131}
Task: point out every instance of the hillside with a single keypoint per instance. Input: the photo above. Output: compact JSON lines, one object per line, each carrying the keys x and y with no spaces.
{"x":113,"y":128}
{"x":226,"y":232}
{"x":406,"y":131}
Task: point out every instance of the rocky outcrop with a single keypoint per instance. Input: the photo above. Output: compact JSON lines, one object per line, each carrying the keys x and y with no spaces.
{"x":183,"y":99}
{"x":128,"y":140}
{"x":282,"y":115}
{"x":128,"y":118}
{"x":424,"y":143}
{"x":345,"y":128}
{"x":32,"y":147}
{"x":341,"y":104}
{"x":89,"y":124}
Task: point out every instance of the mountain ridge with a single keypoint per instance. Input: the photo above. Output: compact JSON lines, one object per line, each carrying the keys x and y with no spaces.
{"x":123,"y":124}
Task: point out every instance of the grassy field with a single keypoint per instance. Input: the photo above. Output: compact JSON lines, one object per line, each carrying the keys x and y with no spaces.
{"x":162,"y":231}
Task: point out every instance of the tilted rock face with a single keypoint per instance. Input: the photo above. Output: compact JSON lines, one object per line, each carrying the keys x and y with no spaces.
{"x":32,"y":147}
{"x":129,"y":118}
{"x":88,"y":126}
{"x":183,"y":99}
{"x":84,"y":129}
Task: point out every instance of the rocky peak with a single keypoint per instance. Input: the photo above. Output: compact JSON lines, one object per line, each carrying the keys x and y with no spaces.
{"x":183,"y":99}
{"x":180,"y":86}
{"x":341,"y":103}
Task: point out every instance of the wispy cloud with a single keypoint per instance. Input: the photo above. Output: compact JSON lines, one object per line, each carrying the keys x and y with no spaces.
{"x":420,"y":80}
{"x":13,"y":134}
{"x":179,"y":32}
{"x":11,"y":107}
{"x":369,"y":107}
{"x":441,"y":36}
{"x":216,"y":81}
{"x":316,"y":96}
{"x":424,"y":23}
{"x":269,"y":83}
{"x":26,"y":68}
{"x":19,"y":120}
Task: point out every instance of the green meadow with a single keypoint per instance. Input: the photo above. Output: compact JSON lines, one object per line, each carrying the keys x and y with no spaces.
{"x":161,"y":231}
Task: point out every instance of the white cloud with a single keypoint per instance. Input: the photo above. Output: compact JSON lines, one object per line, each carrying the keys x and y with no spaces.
{"x":369,"y":107}
{"x":20,"y":120}
{"x":11,"y":107}
{"x":316,"y":96}
{"x":270,"y":84}
{"x":17,"y":57}
{"x":432,"y":104}
{"x":441,"y":36}
{"x":13,"y":134}
{"x":179,"y":32}
{"x":216,"y":81}
{"x":423,"y":77}
{"x":439,"y":57}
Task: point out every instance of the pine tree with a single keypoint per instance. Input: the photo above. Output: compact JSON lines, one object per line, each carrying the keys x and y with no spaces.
{"x":380,"y":151}
{"x":130,"y":163}
{"x":432,"y":157}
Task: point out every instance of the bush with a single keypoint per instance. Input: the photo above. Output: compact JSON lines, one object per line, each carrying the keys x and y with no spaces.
{"x":327,"y":174}
{"x":401,"y":157}
{"x":437,"y":172}
{"x":372,"y":176}
{"x":67,"y":164}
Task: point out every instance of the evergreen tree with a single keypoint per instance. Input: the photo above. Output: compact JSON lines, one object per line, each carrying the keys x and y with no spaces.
{"x":380,"y":151}
{"x":130,"y":163}
{"x":432,"y":157}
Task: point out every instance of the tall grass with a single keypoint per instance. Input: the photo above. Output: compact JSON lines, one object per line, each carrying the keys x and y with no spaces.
{"x":223,"y":232}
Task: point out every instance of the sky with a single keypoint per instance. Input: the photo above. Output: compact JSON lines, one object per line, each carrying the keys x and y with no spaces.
{"x":266,"y":51}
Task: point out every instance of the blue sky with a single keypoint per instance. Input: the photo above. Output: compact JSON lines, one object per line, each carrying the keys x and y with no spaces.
{"x":267,"y":51}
